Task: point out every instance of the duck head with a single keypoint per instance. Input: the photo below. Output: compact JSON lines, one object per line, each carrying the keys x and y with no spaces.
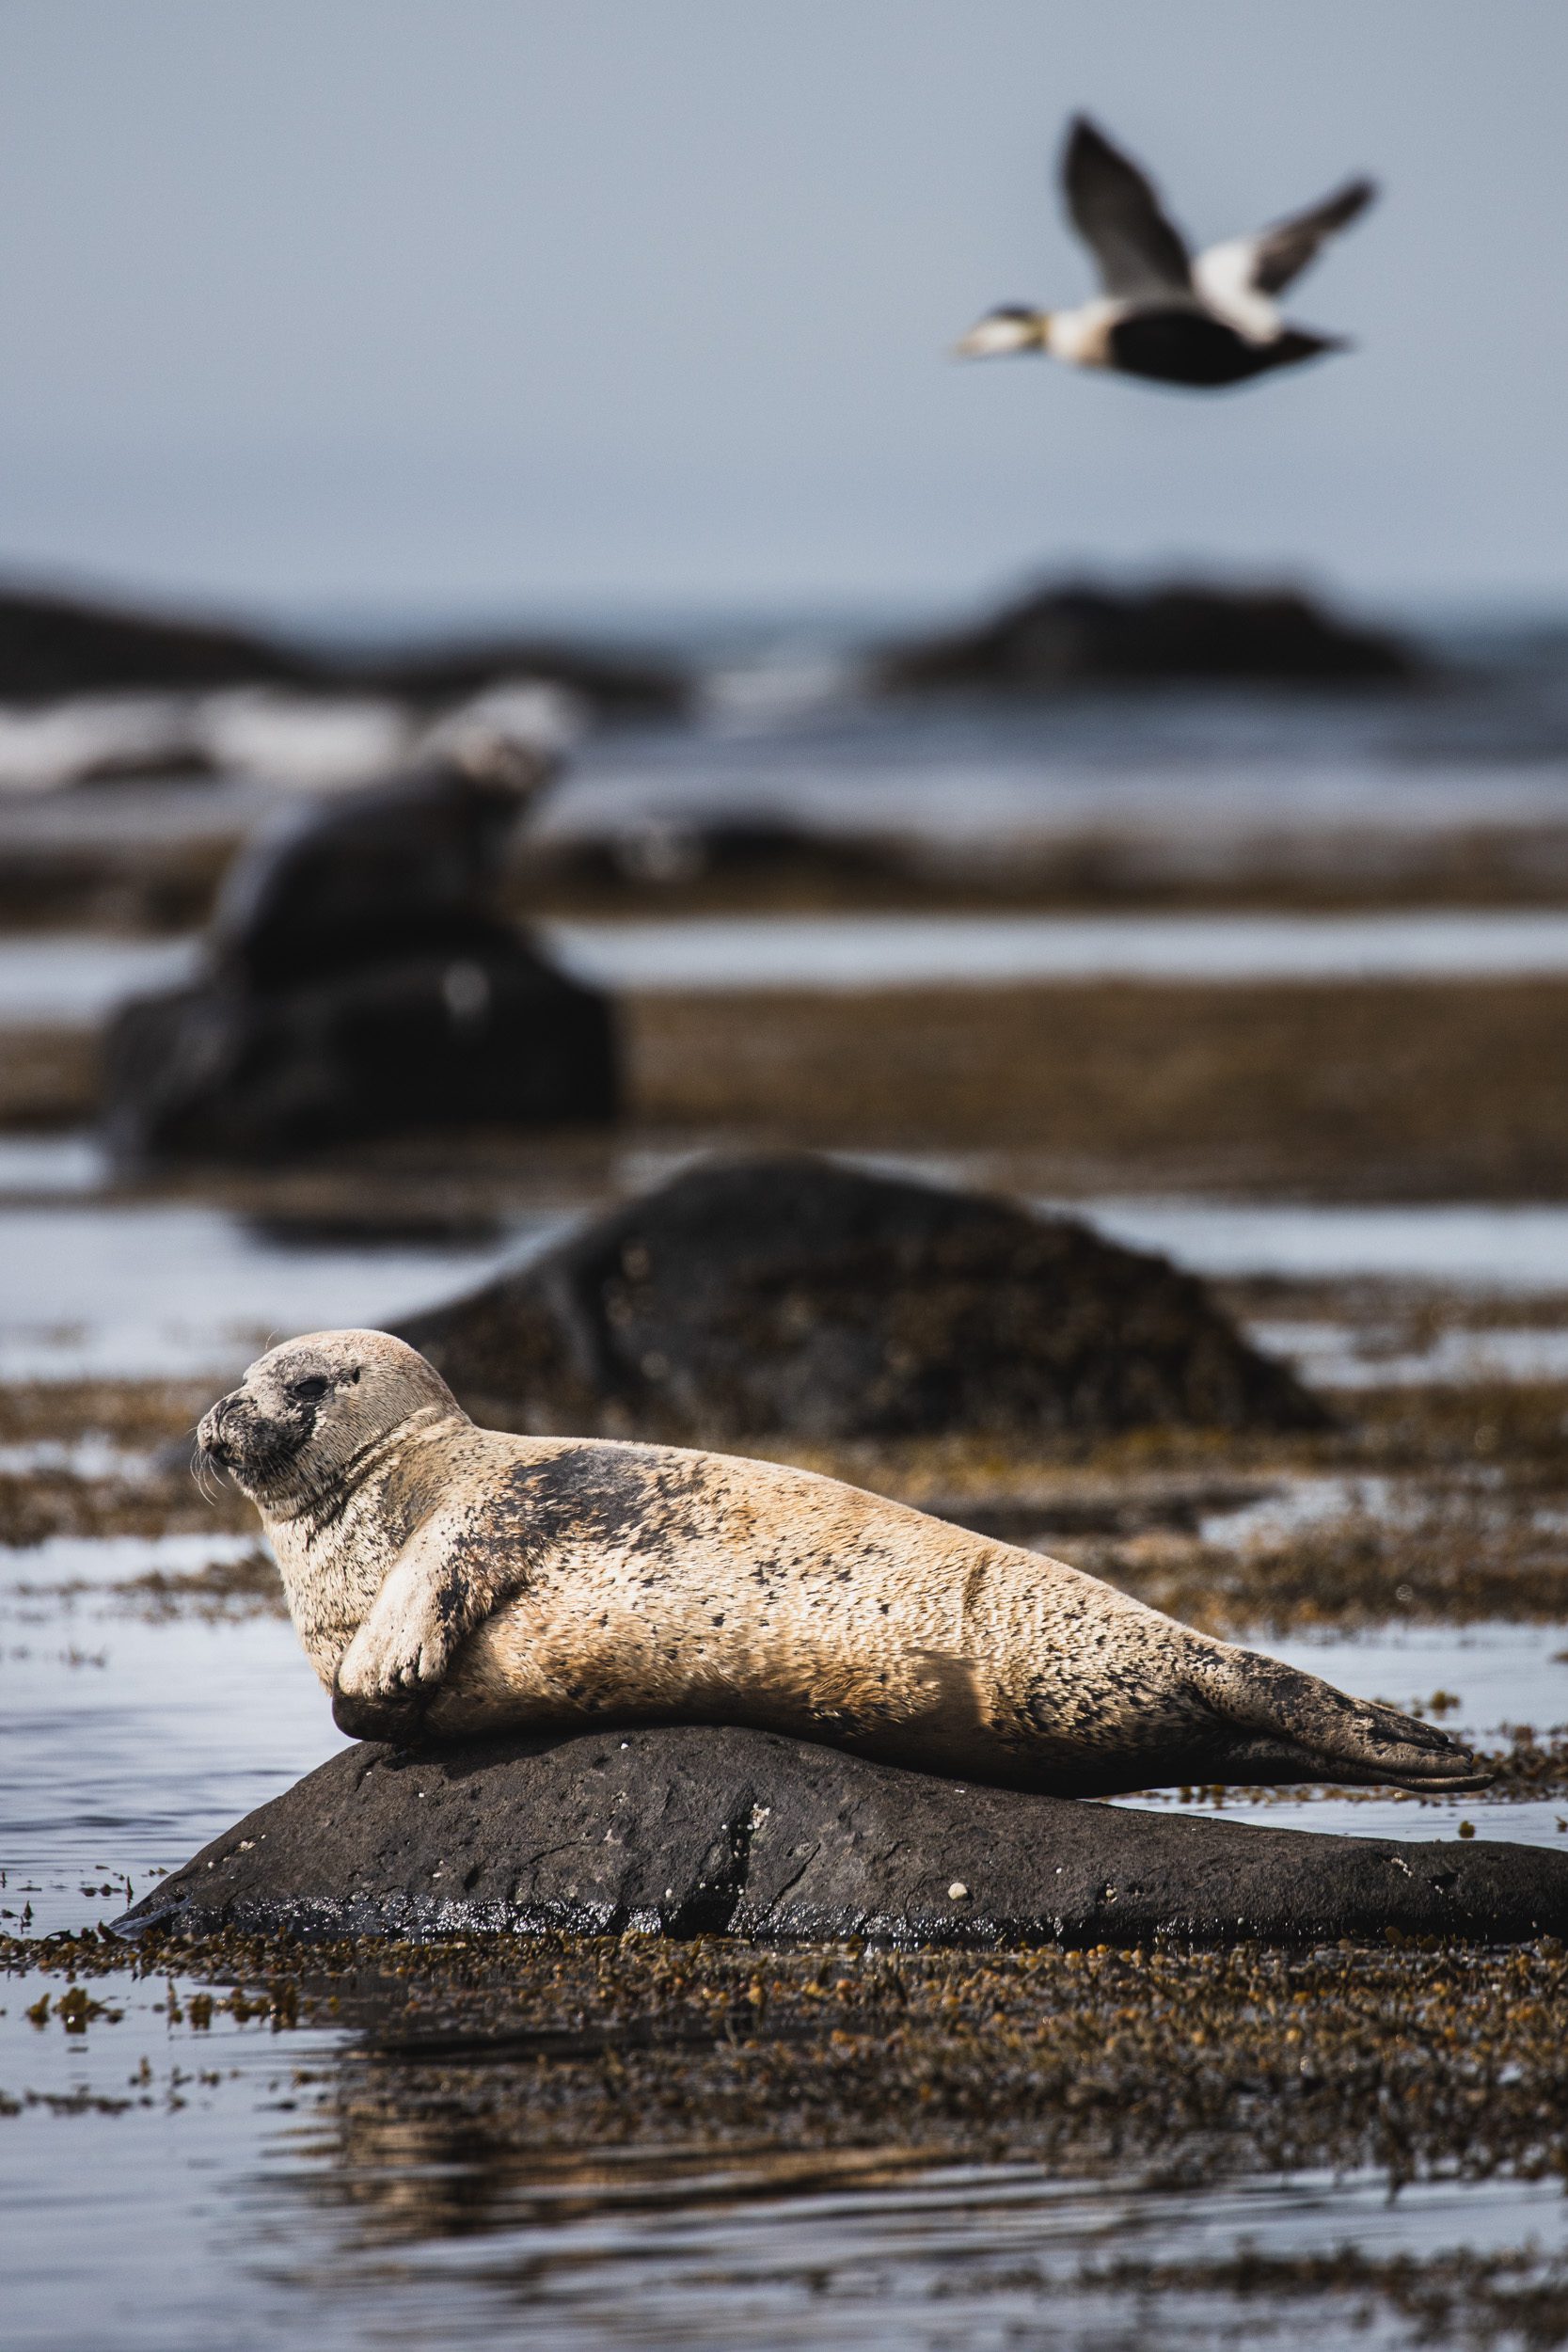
{"x":1010,"y":328}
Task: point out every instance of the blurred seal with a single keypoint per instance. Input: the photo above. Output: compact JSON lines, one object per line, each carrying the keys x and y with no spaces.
{"x":449,"y":1580}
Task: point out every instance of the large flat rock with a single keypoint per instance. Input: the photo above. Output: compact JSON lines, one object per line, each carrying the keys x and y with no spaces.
{"x":693,"y":1829}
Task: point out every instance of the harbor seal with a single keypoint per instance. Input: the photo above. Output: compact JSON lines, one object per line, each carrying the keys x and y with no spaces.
{"x":449,"y":1581}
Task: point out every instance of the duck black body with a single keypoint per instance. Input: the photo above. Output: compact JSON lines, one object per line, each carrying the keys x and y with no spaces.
{"x":1200,"y":322}
{"x":1184,"y":347}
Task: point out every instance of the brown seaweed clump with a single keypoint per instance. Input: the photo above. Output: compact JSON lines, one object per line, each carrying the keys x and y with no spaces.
{"x":1414,"y":2059}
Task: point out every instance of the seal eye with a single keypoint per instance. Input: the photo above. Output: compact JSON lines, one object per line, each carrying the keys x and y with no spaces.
{"x":307,"y":1391}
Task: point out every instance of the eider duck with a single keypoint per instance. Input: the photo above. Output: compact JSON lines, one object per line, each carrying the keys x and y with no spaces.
{"x":1164,"y":316}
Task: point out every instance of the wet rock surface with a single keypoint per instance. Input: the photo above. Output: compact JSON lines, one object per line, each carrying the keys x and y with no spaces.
{"x":54,"y":646}
{"x":1080,"y":634}
{"x":360,"y":982}
{"x":689,"y":1829}
{"x":793,"y":1295}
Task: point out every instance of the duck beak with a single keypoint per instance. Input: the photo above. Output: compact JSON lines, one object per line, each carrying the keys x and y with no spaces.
{"x":1001,"y":332}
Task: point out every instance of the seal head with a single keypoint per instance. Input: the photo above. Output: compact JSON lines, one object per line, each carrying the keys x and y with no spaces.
{"x":306,"y":1418}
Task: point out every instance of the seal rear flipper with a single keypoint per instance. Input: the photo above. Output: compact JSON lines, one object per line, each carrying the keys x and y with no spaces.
{"x":1359,"y":1741}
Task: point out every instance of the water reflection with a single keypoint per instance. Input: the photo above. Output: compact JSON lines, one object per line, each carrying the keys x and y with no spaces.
{"x":470,"y":2229}
{"x":317,"y":2188}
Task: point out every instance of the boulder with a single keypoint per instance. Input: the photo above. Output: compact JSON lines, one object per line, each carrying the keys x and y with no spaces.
{"x":490,"y":1037}
{"x":360,"y":982}
{"x":687,"y":1829}
{"x":794,"y":1297}
{"x":54,"y":646}
{"x":1079,"y":635}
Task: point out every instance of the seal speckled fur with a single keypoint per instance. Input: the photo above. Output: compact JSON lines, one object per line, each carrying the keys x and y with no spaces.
{"x":449,"y":1580}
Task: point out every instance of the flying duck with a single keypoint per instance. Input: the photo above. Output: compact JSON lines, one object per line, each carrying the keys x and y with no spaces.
{"x":1202,"y":322}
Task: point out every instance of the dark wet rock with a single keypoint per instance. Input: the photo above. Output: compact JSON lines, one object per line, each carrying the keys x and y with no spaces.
{"x":794,"y":1295}
{"x":689,"y":1829}
{"x":360,"y":982}
{"x":54,"y":646}
{"x":1083,"y":635}
{"x":490,"y":1039}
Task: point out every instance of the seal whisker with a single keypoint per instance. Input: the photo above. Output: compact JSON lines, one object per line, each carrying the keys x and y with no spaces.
{"x":200,"y":1468}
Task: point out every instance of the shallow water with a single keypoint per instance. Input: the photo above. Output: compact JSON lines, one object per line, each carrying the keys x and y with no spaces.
{"x":1338,"y":1355}
{"x":292,"y":2228}
{"x":147,"y":1289}
{"x":943,"y":2256}
{"x":852,"y":951}
{"x":51,"y":1164}
{"x":76,"y":978}
{"x":1514,"y":1247}
{"x":127,"y":1744}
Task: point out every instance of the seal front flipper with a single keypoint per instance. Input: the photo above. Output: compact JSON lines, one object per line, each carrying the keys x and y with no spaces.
{"x":425,"y":1607}
{"x":397,"y":1721}
{"x":1359,"y":1741}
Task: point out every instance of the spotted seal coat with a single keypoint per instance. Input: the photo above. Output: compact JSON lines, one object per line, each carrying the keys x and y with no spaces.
{"x":449,"y":1580}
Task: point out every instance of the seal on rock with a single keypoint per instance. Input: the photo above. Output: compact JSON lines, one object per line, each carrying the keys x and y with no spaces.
{"x":450,"y":1582}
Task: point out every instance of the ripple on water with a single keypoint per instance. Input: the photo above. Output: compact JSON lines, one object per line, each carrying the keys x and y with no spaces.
{"x":302,"y":2209}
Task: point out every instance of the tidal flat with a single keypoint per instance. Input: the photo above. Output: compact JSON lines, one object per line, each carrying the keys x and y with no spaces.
{"x":1373,"y":1090}
{"x":644,"y":2143}
{"x":629,"y":2142}
{"x":635,"y":2141}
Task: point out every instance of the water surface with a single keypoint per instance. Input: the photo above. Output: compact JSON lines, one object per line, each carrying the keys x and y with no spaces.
{"x":76,"y":978}
{"x":134,"y":1288}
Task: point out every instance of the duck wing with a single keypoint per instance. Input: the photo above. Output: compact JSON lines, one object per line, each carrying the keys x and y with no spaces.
{"x":1118,"y":215}
{"x":1238,"y":277}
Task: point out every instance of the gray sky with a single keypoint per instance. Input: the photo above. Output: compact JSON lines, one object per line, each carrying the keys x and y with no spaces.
{"x":446,"y":304}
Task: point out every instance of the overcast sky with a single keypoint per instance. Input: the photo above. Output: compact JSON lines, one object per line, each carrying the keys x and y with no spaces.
{"x":452,"y":304}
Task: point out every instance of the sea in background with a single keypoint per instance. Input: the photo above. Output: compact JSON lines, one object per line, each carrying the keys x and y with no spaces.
{"x":787,"y":729}
{"x":1147,"y":787}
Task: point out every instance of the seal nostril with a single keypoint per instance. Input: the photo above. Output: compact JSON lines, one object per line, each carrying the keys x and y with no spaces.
{"x":210,"y":1429}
